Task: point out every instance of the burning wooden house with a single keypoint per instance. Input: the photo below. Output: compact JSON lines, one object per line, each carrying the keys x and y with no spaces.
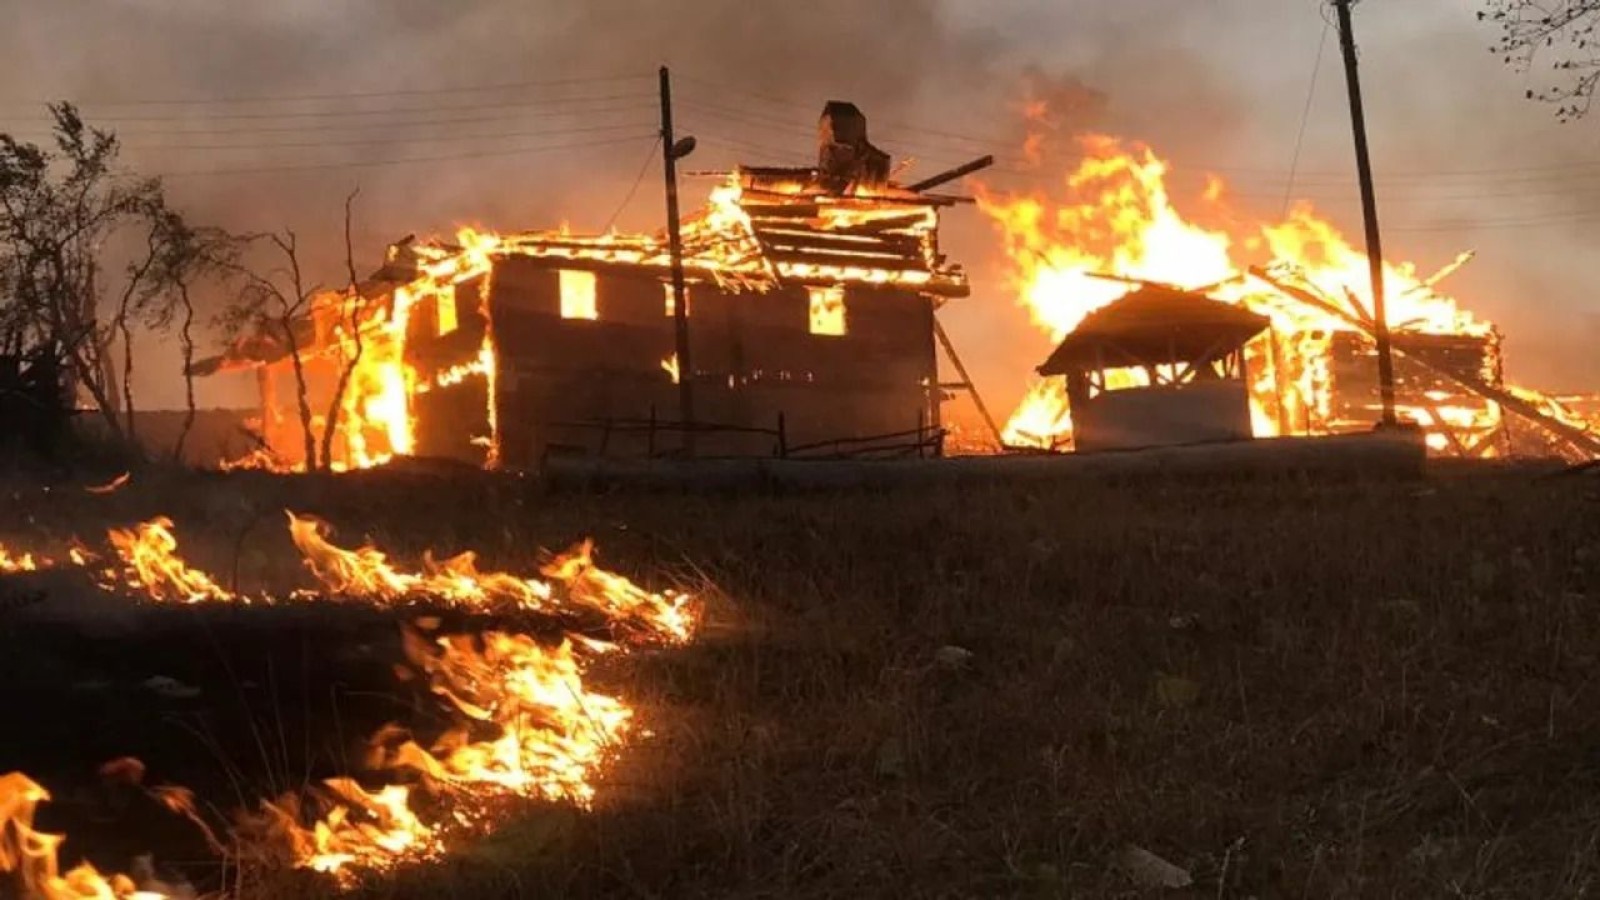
{"x":810,"y":300}
{"x":1158,"y":367}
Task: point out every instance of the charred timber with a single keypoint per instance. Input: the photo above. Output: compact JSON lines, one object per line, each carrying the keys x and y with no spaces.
{"x":1578,"y":439}
{"x":977,"y":165}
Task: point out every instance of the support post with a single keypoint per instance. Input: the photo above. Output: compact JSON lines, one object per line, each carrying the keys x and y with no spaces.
{"x":1369,"y":209}
{"x":680,"y":306}
{"x":977,"y":399}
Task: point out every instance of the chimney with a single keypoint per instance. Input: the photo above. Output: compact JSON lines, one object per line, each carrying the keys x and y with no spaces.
{"x":844,"y":155}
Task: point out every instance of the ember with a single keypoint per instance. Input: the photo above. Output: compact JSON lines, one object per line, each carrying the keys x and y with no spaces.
{"x":13,"y":561}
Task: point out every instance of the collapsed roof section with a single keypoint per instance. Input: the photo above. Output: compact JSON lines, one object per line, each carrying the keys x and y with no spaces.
{"x":764,"y":228}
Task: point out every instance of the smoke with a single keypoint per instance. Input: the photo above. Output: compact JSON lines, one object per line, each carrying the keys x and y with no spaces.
{"x":567,"y":143}
{"x":1213,"y":85}
{"x":756,"y":73}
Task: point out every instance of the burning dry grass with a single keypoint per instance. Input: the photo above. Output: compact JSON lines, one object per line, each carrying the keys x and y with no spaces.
{"x":529,"y":727}
{"x":1285,"y":688}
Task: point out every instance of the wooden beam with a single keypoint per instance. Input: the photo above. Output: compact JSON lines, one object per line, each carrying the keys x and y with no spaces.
{"x":949,"y":175}
{"x":1582,"y":441}
{"x":848,"y":260}
{"x":1447,"y":430}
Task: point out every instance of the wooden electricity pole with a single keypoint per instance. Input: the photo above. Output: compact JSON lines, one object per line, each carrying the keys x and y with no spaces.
{"x":670,"y":153}
{"x":1369,"y":208}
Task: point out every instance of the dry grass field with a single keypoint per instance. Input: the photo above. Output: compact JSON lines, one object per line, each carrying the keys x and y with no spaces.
{"x":1285,"y":688}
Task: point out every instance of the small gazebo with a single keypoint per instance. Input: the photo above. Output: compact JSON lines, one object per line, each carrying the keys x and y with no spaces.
{"x":1158,"y":367}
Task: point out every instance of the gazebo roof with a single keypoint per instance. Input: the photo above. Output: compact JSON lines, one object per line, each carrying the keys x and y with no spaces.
{"x":1154,"y":325}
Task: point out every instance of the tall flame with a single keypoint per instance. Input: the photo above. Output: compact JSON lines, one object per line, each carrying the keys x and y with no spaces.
{"x":1114,"y":223}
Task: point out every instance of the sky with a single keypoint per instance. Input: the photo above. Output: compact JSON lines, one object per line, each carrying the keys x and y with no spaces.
{"x":529,"y":113}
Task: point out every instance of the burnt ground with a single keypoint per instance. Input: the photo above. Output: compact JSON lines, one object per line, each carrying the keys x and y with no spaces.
{"x":1284,"y":687}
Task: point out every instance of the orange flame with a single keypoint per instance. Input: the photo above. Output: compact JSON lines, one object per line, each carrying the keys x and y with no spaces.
{"x":528,"y":726}
{"x":1115,"y":217}
{"x":377,"y":421}
{"x":12,"y":562}
{"x":366,"y":573}
{"x":362,"y":832}
{"x":553,"y":732}
{"x":32,"y":856}
{"x":551,"y":735}
{"x":149,"y":553}
{"x":259,"y":459}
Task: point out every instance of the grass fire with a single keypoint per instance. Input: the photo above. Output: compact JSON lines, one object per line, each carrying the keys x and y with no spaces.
{"x":549,"y":732}
{"x":881,"y":450}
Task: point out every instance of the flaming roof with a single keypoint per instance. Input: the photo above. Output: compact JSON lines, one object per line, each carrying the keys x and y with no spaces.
{"x":1155,"y":324}
{"x":768,"y":227}
{"x":763,"y":228}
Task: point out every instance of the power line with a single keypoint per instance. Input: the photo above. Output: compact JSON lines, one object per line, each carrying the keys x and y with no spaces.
{"x":339,"y":113}
{"x":1305,"y":117}
{"x":354,"y":95}
{"x":1500,"y":224}
{"x":649,"y":158}
{"x":770,"y":127}
{"x":1553,"y":178}
{"x":1526,"y":187}
{"x":323,"y":128}
{"x":738,"y":143}
{"x":747,"y":118}
{"x":378,"y":163}
{"x":795,"y":104}
{"x":727,"y":113}
{"x":1274,"y":188}
{"x":1325,"y":177}
{"x":1411,"y":193}
{"x":301,"y":145}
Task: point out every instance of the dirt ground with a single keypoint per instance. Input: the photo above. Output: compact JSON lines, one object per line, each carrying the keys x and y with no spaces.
{"x":1284,"y":688}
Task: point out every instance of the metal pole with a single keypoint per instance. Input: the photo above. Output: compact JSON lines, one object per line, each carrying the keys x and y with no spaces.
{"x":680,"y":306}
{"x":1369,"y":208}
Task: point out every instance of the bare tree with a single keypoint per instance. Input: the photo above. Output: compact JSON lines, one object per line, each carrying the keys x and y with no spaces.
{"x":135,"y":294}
{"x":60,"y":210}
{"x":353,"y":313}
{"x":279,"y":304}
{"x":1565,"y":33}
{"x":188,"y":256}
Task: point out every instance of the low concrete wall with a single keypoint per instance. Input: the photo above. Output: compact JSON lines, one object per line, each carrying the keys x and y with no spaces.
{"x":1163,"y":416}
{"x":1398,"y":454}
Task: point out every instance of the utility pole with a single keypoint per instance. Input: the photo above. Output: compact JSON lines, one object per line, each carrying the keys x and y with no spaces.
{"x":671,"y":152}
{"x":1369,"y":208}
